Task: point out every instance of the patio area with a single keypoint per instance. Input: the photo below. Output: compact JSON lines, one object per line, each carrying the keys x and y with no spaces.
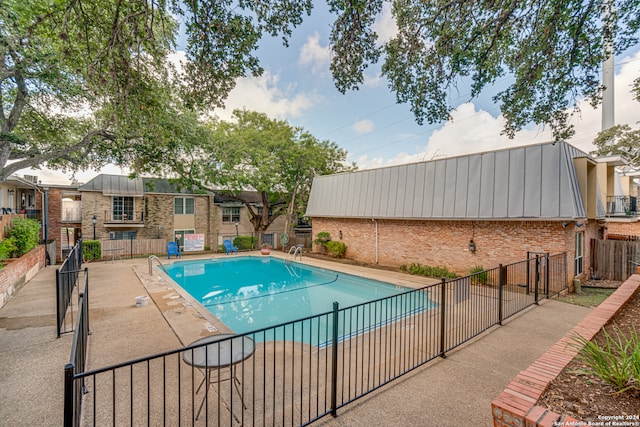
{"x":444,"y":392}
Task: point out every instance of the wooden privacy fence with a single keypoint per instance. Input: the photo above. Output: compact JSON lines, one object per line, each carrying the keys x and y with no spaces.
{"x":614,"y":259}
{"x":129,"y":248}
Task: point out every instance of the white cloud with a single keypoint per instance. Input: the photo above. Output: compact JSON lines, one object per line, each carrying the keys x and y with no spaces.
{"x":472,"y":131}
{"x":364,"y":126}
{"x":314,"y":55}
{"x":385,"y":26}
{"x":372,"y":81}
{"x":265,"y":95}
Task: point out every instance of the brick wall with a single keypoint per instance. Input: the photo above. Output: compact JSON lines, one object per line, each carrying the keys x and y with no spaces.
{"x":158,"y":213}
{"x":446,"y":243}
{"x":624,"y":228}
{"x":15,"y":275}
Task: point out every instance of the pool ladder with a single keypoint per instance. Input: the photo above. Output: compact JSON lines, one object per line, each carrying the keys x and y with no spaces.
{"x":153,"y":257}
{"x":293,"y":252}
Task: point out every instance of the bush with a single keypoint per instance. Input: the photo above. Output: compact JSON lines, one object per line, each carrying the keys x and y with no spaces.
{"x":7,"y":248}
{"x":479,"y":276}
{"x":244,"y":243}
{"x":428,"y":271}
{"x":91,"y":250}
{"x":24,"y":233}
{"x":616,"y":361}
{"x":336,"y":249}
{"x":322,"y":238}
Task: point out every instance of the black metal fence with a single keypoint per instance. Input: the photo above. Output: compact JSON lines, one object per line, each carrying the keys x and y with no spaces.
{"x":303,"y":370}
{"x":66,"y":281}
{"x":77,"y":362}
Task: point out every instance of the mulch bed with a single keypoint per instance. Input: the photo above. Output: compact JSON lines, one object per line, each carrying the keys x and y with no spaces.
{"x":587,"y":398}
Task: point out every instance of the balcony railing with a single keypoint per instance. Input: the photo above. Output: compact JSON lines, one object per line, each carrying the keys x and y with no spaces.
{"x":71,"y":215}
{"x":125,"y":217}
{"x":622,"y":206}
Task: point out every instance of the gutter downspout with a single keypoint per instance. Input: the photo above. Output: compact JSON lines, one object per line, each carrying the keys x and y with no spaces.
{"x":376,"y":223}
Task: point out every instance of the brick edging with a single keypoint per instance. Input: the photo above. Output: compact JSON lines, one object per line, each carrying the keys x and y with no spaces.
{"x":516,"y":405}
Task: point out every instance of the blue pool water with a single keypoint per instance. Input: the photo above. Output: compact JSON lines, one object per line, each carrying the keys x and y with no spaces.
{"x":250,"y":293}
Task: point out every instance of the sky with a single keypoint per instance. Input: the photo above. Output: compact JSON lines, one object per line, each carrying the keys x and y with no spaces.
{"x":376,"y":131}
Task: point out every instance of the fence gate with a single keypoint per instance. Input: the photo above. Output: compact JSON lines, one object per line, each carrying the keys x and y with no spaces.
{"x":538,"y":274}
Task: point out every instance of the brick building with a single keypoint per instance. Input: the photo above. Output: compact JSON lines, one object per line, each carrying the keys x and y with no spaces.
{"x":475,"y":210}
{"x":152,"y":208}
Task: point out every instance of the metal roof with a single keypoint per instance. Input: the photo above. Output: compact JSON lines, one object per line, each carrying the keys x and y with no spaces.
{"x":529,"y":182}
{"x":115,"y":185}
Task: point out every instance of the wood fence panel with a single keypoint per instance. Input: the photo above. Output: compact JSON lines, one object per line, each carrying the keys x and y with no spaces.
{"x":128,"y":248}
{"x":615,"y":259}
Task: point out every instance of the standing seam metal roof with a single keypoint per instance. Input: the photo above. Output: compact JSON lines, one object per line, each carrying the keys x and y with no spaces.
{"x":528,"y":182}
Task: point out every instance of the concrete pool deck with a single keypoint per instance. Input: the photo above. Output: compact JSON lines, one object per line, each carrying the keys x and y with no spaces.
{"x":454,"y":391}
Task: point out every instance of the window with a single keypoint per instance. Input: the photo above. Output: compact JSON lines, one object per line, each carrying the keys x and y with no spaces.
{"x":231,"y":214}
{"x":270,"y":213}
{"x":183,"y":206}
{"x":579,"y":253}
{"x":122,"y":235}
{"x":178,"y":236}
{"x":122,"y":208}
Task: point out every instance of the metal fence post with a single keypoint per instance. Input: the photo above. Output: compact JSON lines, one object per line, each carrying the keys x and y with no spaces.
{"x":500,"y":284}
{"x":546,"y":275}
{"x":334,"y":363}
{"x":537,"y":279}
{"x":68,"y":396}
{"x":443,"y":296}
{"x":528,"y":272}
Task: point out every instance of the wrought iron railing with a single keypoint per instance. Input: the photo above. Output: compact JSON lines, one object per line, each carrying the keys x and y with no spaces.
{"x":126,"y":216}
{"x":303,"y":370}
{"x":622,"y":206}
{"x":66,"y":281}
{"x":77,"y":361}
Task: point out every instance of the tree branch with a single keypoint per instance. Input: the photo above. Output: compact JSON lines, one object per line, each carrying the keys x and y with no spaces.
{"x":35,"y":159}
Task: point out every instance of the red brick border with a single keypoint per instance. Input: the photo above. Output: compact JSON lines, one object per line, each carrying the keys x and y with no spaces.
{"x":516,"y":405}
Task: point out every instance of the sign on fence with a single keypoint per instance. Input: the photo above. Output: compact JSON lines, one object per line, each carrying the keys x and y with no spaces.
{"x":193,"y":242}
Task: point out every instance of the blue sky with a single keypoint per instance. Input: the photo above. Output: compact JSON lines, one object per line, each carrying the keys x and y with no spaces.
{"x":297,"y":86}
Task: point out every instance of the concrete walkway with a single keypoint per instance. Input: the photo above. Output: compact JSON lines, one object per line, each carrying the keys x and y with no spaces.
{"x":446,"y":392}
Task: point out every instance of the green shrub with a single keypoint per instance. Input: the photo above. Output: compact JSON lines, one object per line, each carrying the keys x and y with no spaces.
{"x":24,"y":233}
{"x":479,"y":276}
{"x":245,"y":243}
{"x":322,"y":238}
{"x":91,"y":250}
{"x":428,"y":271}
{"x":7,"y":248}
{"x":336,"y":249}
{"x":616,"y":361}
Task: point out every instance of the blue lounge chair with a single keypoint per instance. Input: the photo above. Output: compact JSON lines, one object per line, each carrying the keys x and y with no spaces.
{"x":173,"y":249}
{"x":229,"y":247}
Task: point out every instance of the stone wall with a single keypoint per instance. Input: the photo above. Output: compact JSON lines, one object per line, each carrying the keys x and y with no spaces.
{"x":18,"y":272}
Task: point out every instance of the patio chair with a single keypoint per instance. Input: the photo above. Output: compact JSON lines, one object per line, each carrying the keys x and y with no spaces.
{"x":229,"y":247}
{"x":173,"y":249}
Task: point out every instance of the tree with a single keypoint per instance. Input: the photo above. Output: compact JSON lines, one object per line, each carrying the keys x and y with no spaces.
{"x":549,"y":51}
{"x":81,"y":80}
{"x":620,"y":140}
{"x":255,"y":153}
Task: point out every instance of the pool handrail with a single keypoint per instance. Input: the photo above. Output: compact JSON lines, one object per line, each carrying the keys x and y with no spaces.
{"x":153,"y":257}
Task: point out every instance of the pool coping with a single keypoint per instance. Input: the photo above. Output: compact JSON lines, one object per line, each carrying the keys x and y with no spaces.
{"x":517,"y":405}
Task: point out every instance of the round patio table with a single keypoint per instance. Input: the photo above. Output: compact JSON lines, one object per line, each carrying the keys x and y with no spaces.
{"x":220,"y":351}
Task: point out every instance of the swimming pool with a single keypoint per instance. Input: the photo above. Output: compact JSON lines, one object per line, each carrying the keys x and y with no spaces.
{"x":250,"y":293}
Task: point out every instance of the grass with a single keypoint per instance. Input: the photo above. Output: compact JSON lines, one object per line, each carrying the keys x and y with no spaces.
{"x":589,"y":297}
